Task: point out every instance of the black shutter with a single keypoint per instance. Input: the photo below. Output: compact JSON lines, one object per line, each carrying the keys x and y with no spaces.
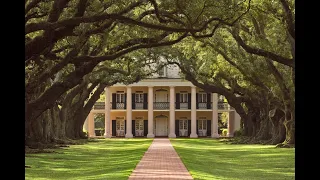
{"x":177,"y":128}
{"x":125,"y":126}
{"x":145,"y":101}
{"x":208,"y":100}
{"x":125,"y":101}
{"x":189,"y":127}
{"x":133,"y":99}
{"x":197,"y":101}
{"x":114,"y":101}
{"x":114,"y":127}
{"x":189,"y":100}
{"x":133,"y":127}
{"x":177,"y":100}
{"x":208,"y":127}
{"x":197,"y":126}
{"x":145,"y":124}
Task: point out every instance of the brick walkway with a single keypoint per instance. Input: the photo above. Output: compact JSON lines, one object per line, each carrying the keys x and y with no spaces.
{"x":161,"y":161}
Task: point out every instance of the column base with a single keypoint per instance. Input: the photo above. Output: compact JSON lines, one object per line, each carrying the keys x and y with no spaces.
{"x":129,"y":136}
{"x":150,"y":135}
{"x":193,"y":135}
{"x":215,"y":135}
{"x":173,"y":135}
{"x":92,"y":135}
{"x":107,"y":136}
{"x":229,"y":135}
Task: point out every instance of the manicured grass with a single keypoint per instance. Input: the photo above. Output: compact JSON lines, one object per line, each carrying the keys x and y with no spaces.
{"x":103,"y":159}
{"x":211,"y":159}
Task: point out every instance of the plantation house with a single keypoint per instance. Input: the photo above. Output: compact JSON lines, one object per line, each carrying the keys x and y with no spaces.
{"x":163,"y":105}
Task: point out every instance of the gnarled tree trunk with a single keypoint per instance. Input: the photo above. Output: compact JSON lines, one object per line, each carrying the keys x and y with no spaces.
{"x":278,"y":130}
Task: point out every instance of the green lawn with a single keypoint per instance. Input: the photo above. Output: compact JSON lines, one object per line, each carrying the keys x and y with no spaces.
{"x":105,"y":159}
{"x":214,"y":160}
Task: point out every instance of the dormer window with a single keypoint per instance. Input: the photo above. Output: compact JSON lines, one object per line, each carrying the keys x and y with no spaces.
{"x":162,"y":72}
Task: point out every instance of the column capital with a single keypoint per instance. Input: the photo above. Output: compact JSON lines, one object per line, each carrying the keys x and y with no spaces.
{"x":150,"y":86}
{"x":193,"y":86}
{"x":128,"y":87}
{"x":172,"y":86}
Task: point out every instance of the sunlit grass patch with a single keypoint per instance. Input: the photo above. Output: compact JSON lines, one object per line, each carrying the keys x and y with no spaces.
{"x":211,"y":159}
{"x":99,"y":159}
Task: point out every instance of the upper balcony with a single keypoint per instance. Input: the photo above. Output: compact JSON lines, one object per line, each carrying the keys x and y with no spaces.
{"x":161,"y":100}
{"x":224,"y":106}
{"x":162,"y":105}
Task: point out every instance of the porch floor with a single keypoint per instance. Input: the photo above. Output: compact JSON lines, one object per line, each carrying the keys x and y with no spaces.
{"x":160,"y":161}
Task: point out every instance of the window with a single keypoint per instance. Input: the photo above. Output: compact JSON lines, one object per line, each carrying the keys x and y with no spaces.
{"x":202,"y":97}
{"x":120,"y":97}
{"x":183,"y":124}
{"x":139,"y":124}
{"x":120,"y":124}
{"x":139,"y":97}
{"x":184,"y":97}
{"x":162,"y":72}
{"x":202,"y":124}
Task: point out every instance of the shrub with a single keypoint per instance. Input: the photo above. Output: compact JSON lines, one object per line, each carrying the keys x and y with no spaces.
{"x":238,"y":133}
{"x":224,"y":132}
{"x":99,"y":131}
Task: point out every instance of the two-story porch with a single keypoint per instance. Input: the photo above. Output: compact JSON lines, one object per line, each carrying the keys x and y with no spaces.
{"x":173,"y":111}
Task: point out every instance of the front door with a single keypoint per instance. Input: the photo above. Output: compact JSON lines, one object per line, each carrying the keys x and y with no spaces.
{"x":161,"y":127}
{"x":120,"y":127}
{"x":139,"y":127}
{"x":183,"y":127}
{"x":202,"y":127}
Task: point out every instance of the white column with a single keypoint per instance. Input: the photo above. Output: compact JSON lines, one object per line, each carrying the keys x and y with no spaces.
{"x":172,"y":113}
{"x":230,"y":123}
{"x":91,"y":131}
{"x":237,"y":120}
{"x":129,"y":113}
{"x":85,"y":125}
{"x":193,"y":113}
{"x":107,"y":115}
{"x":150,"y":112}
{"x":214,"y":122}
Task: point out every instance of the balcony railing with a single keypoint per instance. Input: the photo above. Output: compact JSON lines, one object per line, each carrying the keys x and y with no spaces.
{"x":161,"y":105}
{"x":138,"y":105}
{"x":120,"y":105}
{"x":184,"y":105}
{"x":202,"y":105}
{"x":98,"y":105}
{"x":224,"y":106}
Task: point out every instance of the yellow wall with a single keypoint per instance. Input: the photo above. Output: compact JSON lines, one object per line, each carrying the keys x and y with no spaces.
{"x":144,"y":114}
{"x":186,"y":88}
{"x":207,"y":114}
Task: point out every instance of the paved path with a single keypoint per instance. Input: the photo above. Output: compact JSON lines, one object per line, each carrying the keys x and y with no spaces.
{"x":161,"y":161}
